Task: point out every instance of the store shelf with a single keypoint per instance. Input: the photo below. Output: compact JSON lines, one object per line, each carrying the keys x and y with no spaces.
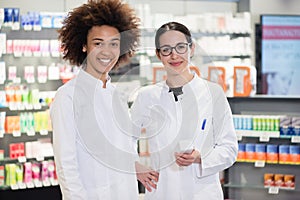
{"x":244,"y":180}
{"x":264,"y":136}
{"x":255,"y":187}
{"x":43,"y":34}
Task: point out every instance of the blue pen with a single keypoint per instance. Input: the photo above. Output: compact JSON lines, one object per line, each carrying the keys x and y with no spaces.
{"x":203,"y":124}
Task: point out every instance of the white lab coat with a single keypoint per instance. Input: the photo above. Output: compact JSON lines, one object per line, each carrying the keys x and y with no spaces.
{"x":201,"y":116}
{"x":94,"y":158}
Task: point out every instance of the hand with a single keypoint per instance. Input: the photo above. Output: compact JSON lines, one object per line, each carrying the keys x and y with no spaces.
{"x":147,"y":176}
{"x":186,"y":159}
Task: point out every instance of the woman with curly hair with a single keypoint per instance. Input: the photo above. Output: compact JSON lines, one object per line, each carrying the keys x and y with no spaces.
{"x":93,"y":153}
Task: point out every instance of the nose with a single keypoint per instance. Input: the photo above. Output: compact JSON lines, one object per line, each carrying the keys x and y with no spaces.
{"x":173,"y":52}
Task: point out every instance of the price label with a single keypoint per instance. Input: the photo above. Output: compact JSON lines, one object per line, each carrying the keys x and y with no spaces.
{"x":37,"y":54}
{"x":16,"y":133}
{"x":21,"y":159}
{"x":259,"y":163}
{"x":30,"y":185}
{"x":273,"y":190}
{"x":27,"y":53}
{"x":18,"y":54}
{"x":14,"y":187}
{"x":29,"y":107}
{"x":1,"y":134}
{"x":44,"y":132}
{"x":46,"y":183}
{"x":40,"y":158}
{"x":264,"y":138}
{"x":38,"y":183}
{"x":54,"y":182}
{"x":37,"y":106}
{"x":295,"y":139}
{"x":239,"y":136}
{"x":13,"y":106}
{"x":22,"y":185}
{"x":31,"y":133}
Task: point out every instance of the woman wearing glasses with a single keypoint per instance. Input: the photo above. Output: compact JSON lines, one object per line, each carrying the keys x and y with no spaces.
{"x":188,"y":124}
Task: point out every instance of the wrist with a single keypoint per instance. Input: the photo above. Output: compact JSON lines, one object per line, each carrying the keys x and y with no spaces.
{"x":197,"y":157}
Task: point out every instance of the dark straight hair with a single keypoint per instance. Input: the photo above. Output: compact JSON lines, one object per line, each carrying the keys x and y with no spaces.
{"x":172,"y":26}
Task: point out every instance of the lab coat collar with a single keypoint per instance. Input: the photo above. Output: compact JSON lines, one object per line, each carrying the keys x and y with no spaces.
{"x":193,"y":84}
{"x":91,"y":80}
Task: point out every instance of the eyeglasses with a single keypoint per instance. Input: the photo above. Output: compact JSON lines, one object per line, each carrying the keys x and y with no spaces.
{"x":180,"y":48}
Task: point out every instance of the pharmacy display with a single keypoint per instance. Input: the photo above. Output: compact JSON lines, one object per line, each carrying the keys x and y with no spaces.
{"x":280,"y":57}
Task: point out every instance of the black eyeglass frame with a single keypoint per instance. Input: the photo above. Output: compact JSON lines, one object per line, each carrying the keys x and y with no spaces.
{"x":175,"y":47}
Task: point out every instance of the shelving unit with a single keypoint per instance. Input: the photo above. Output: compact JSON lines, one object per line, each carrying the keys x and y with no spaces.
{"x":245,"y":180}
{"x":41,"y":190}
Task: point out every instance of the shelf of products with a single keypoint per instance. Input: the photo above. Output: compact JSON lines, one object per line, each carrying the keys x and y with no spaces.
{"x":269,"y":149}
{"x":31,"y":71}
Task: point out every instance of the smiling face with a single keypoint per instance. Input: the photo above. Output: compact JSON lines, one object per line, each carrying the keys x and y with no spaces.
{"x":175,"y":63}
{"x":103,"y":50}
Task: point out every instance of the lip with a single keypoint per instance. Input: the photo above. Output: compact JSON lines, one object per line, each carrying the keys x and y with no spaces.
{"x":176,"y":64}
{"x":104,"y":61}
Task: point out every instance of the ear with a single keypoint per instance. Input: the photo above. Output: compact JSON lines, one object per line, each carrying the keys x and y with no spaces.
{"x":84,"y":48}
{"x":192,"y":49}
{"x":157,"y":54}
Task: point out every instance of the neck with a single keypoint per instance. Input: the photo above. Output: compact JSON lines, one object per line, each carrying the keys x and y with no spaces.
{"x":98,"y":75}
{"x":179,"y":80}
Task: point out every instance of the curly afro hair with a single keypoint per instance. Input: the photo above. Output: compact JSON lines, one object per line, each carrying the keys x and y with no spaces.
{"x":73,"y":34}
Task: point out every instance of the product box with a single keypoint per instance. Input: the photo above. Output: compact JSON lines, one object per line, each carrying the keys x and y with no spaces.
{"x":241,"y":152}
{"x":284,"y":154}
{"x":294,"y":154}
{"x":16,"y":150}
{"x":285,"y":125}
{"x":260,"y":152}
{"x":250,"y":152}
{"x":272,"y":153}
{"x":289,"y":181}
{"x":268,"y":180}
{"x":2,"y":180}
{"x":279,"y":180}
{"x":296,"y":126}
{"x":1,"y":155}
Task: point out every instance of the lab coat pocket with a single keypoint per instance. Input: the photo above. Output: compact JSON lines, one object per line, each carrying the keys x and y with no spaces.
{"x":204,"y":132}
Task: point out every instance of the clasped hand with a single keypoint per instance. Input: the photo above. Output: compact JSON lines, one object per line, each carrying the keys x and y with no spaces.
{"x":186,"y":159}
{"x":147,"y":176}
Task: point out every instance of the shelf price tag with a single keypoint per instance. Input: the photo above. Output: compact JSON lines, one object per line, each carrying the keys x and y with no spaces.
{"x":22,"y":159}
{"x":53,"y":182}
{"x":31,"y":133}
{"x":22,"y":185}
{"x":38,"y":184}
{"x":259,"y":163}
{"x":16,"y":133}
{"x":273,"y":190}
{"x":264,"y":137}
{"x":46,"y":183}
{"x":40,"y":158}
{"x":44,"y":132}
{"x":1,"y":134}
{"x":14,"y":187}
{"x":30,"y":185}
{"x":295,"y":139}
{"x":239,"y":136}
{"x":37,"y":106}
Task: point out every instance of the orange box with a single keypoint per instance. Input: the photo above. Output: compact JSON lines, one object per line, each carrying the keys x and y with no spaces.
{"x":294,"y":154}
{"x":250,"y":152}
{"x":289,"y":181}
{"x":260,"y":152}
{"x":284,"y":154}
{"x":268,"y":180}
{"x":272,"y":153}
{"x":241,"y":153}
{"x":279,"y":180}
